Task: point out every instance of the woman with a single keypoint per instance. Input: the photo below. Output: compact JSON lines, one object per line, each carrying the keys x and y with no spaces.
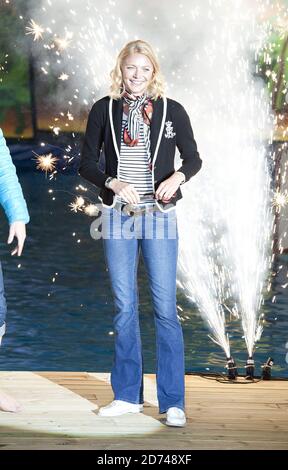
{"x":13,"y":202}
{"x":140,"y":129}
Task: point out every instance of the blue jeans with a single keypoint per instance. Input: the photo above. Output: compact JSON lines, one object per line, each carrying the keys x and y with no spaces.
{"x":160,"y":259}
{"x":3,"y":306}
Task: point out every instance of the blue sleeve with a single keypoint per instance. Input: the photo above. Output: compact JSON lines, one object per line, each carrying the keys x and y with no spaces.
{"x":11,"y":195}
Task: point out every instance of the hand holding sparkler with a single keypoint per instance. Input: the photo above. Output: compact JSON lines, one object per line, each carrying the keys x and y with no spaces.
{"x":18,"y":230}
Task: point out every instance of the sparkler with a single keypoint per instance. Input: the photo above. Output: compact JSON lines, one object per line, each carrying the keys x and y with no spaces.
{"x":91,"y":210}
{"x":35,"y":30}
{"x":78,"y":204}
{"x":280,"y":200}
{"x":46,"y":162}
{"x":89,"y":48}
{"x":63,"y":43}
{"x":63,"y":77}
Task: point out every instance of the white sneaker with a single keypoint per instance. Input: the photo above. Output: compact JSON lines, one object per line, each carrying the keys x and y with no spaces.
{"x":120,"y":407}
{"x":175,"y":417}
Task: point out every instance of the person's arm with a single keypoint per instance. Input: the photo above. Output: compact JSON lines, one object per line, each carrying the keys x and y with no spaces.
{"x":186,"y":144}
{"x":188,"y":153}
{"x":93,"y":141}
{"x":12,"y":199}
{"x":11,"y":195}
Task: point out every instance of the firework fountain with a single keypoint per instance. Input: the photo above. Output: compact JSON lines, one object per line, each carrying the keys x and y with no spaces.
{"x":225,"y":259}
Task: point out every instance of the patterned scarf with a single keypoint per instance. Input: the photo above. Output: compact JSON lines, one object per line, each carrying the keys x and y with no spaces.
{"x":137,"y":109}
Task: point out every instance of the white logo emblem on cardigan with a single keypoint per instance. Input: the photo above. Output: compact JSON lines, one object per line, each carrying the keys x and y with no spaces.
{"x":169,"y":130}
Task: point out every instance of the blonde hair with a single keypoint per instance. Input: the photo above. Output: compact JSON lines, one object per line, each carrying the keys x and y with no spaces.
{"x":157,"y":85}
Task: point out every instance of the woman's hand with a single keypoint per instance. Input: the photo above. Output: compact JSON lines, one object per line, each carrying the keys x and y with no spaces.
{"x":168,"y":187}
{"x":125,"y":190}
{"x":18,"y":229}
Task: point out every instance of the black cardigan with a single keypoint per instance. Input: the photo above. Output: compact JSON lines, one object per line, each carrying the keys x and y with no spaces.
{"x":170,"y":126}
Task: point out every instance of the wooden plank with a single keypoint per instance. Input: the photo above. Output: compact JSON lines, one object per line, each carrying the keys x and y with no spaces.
{"x":219,"y":416}
{"x":49,"y":443}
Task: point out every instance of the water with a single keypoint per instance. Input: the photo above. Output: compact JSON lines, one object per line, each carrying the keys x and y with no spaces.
{"x":65,"y":325}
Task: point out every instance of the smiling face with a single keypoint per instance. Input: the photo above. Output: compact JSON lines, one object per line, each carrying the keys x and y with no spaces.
{"x":137,"y":72}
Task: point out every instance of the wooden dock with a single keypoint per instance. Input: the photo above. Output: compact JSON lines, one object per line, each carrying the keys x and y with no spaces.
{"x":60,"y":412}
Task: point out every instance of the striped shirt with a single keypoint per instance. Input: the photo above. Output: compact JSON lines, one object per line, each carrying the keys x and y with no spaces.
{"x":134,"y":167}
